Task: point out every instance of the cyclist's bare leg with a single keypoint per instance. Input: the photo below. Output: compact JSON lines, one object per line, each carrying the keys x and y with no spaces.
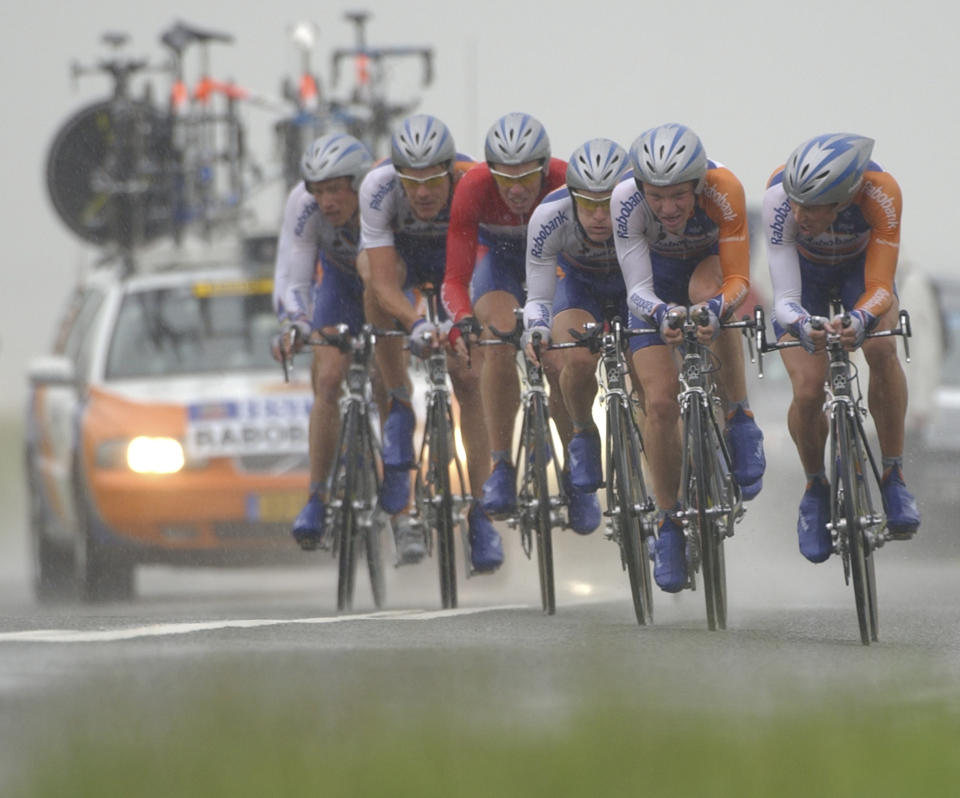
{"x":466,"y":388}
{"x":637,"y":392}
{"x":887,"y":392}
{"x":805,"y":419}
{"x":574,"y":372}
{"x":327,"y":372}
{"x":500,"y":386}
{"x":657,"y":371}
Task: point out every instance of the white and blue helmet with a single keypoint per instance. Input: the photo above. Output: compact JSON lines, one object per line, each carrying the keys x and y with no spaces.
{"x":827,"y":169}
{"x":667,"y":155}
{"x":516,"y":138}
{"x":596,"y":165}
{"x":336,"y":155}
{"x":421,"y":140}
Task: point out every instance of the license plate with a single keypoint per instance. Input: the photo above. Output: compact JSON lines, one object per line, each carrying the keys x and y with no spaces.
{"x":275,"y":506}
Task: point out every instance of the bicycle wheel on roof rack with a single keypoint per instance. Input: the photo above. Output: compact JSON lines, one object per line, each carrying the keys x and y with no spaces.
{"x":84,"y":157}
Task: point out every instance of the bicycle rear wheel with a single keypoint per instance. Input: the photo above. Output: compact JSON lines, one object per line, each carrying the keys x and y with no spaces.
{"x":623,"y":465}
{"x":438,"y":494}
{"x":853,"y":511}
{"x":544,"y":531}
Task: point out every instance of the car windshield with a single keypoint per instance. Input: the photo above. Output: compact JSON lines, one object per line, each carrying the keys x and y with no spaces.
{"x":193,"y":329}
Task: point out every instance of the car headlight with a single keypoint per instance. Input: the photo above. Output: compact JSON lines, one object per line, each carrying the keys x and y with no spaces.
{"x":155,"y":455}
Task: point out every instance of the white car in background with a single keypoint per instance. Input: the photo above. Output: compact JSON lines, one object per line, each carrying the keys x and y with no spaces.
{"x":160,"y":429}
{"x":933,"y":470}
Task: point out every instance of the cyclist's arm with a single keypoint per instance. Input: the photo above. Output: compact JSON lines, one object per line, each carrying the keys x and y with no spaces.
{"x":383,"y":282}
{"x":780,"y":230}
{"x":462,"y":239}
{"x":726,"y":204}
{"x":543,"y":242}
{"x":378,"y":198}
{"x":633,"y":251}
{"x":882,"y":206}
{"x":296,"y":263}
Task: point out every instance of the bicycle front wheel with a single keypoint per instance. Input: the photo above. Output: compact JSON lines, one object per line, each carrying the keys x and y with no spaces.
{"x":346,"y":477}
{"x":706,"y":478}
{"x":544,"y":531}
{"x":374,"y":517}
{"x":438,"y":493}
{"x":853,"y":512}
{"x":623,"y":469}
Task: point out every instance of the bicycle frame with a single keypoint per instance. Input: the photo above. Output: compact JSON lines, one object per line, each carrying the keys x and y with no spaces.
{"x":856,"y":526}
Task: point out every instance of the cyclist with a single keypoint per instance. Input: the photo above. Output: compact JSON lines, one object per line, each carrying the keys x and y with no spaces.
{"x":404,"y":215}
{"x":832,"y":220}
{"x":316,"y":286}
{"x":486,"y":244}
{"x":570,"y":234}
{"x":680,"y":230}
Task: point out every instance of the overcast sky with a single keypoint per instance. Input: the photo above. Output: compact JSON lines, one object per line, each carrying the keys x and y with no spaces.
{"x":752,"y":78}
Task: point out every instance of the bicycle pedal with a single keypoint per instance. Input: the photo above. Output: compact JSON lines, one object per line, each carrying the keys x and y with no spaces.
{"x":900,"y":535}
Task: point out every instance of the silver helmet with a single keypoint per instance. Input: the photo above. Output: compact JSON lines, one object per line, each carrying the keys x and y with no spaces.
{"x":667,"y":155}
{"x":336,"y":155}
{"x":421,"y":140}
{"x":516,"y":138}
{"x":826,"y":169}
{"x":596,"y":165}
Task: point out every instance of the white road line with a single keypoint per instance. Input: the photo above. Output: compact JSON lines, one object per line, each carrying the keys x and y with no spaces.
{"x":167,"y":629}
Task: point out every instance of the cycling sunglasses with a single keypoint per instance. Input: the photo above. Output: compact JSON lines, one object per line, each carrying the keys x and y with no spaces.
{"x":591,"y":204}
{"x":433,"y":181}
{"x":526,"y":179}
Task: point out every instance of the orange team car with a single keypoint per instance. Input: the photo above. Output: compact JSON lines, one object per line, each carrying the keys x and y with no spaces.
{"x":161,"y":430}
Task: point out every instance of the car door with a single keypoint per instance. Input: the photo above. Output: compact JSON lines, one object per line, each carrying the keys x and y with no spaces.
{"x":57,"y":386}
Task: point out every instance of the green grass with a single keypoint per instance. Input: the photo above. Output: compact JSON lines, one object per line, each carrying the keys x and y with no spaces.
{"x":228,"y":743}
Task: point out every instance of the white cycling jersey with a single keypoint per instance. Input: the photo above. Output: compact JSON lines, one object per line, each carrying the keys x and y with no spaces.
{"x":305,"y":236}
{"x":555,"y":240}
{"x":386,"y":218}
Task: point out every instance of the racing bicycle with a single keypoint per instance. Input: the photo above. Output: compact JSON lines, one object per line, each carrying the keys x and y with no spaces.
{"x":710,"y":499}
{"x":538,"y":511}
{"x":857,"y":524}
{"x":630,"y":510}
{"x":437,"y":508}
{"x":353,"y":487}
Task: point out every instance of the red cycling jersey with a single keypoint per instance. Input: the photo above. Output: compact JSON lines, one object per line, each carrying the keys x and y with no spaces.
{"x":479,"y":215}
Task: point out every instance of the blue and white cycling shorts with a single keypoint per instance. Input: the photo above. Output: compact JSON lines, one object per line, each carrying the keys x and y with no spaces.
{"x":821,"y":282}
{"x":602,"y":296}
{"x":498,"y":271}
{"x":337,"y":298}
{"x":671,"y":284}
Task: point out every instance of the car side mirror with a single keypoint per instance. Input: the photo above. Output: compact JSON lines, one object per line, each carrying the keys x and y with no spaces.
{"x":52,"y":370}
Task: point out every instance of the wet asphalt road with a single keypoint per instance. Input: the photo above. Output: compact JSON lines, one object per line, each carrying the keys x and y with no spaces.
{"x":792,"y":636}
